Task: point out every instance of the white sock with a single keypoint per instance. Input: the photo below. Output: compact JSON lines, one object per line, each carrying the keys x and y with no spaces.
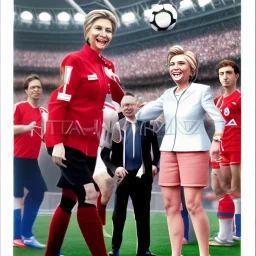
{"x":226,"y":229}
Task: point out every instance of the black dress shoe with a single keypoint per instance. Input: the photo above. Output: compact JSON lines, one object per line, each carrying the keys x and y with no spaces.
{"x":146,"y":253}
{"x":113,"y":253}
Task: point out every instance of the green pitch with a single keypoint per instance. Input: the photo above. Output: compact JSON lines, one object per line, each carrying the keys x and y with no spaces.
{"x":74,"y":244}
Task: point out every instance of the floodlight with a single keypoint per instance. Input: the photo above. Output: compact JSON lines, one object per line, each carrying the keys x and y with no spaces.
{"x":78,"y":17}
{"x":26,"y":16}
{"x":44,"y":17}
{"x":185,"y":5}
{"x":202,"y":3}
{"x":63,"y":17}
{"x":128,"y":18}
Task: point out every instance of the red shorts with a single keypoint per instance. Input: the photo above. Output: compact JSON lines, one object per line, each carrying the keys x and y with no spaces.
{"x":188,"y":169}
{"x":215,"y":165}
{"x":231,"y":158}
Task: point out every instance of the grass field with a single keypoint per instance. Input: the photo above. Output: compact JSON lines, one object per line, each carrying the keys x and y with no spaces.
{"x":74,"y":244}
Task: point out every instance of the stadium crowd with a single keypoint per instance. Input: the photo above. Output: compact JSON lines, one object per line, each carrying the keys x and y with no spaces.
{"x":140,"y":60}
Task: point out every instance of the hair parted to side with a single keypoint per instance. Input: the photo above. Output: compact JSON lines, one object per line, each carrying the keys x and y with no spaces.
{"x":94,"y":15}
{"x":225,"y":63}
{"x":29,"y":79}
{"x":189,"y":56}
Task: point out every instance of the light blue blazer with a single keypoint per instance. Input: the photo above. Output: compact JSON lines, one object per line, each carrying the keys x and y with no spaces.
{"x":184,"y":118}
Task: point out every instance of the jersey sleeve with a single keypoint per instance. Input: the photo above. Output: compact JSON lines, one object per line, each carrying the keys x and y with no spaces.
{"x":16,"y":114}
{"x":70,"y":76}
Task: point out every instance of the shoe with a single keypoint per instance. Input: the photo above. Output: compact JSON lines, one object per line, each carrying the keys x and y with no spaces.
{"x":32,"y":242}
{"x":18,"y":243}
{"x":146,"y":253}
{"x":184,"y":241}
{"x":219,"y":242}
{"x":114,"y":253}
{"x":237,"y":238}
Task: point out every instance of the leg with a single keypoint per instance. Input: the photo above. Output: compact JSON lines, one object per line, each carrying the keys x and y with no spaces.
{"x":36,"y":187}
{"x":141,"y":196}
{"x":225,"y":208}
{"x":184,"y":214}
{"x":88,"y":218}
{"x":236,"y":190}
{"x":18,"y":193}
{"x":172,"y":201}
{"x":106,"y":185}
{"x":236,"y":180}
{"x":17,"y":223}
{"x":59,"y":222}
{"x":119,"y":214}
{"x":193,"y":196}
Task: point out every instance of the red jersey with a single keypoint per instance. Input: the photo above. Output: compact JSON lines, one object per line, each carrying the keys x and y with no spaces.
{"x":27,"y":145}
{"x":230,"y":108}
{"x":76,"y":108}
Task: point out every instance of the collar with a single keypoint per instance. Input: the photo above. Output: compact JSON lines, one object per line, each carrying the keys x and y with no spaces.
{"x":90,"y":52}
{"x":131,"y":121}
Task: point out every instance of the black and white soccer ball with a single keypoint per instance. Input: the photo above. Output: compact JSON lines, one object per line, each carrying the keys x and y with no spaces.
{"x":163,"y":17}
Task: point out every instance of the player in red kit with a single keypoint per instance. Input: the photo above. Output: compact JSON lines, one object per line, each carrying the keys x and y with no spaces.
{"x":28,"y":135}
{"x":226,"y":172}
{"x":74,"y":129}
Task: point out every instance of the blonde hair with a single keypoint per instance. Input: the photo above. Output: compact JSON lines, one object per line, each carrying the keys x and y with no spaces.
{"x":94,"y":15}
{"x":188,"y":55}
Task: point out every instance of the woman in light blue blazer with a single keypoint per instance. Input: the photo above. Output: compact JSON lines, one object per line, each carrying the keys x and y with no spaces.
{"x":186,"y":147}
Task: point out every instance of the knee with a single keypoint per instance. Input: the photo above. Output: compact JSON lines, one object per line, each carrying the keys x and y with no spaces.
{"x":194,"y":207}
{"x":67,"y":204}
{"x":235,"y":186}
{"x":91,"y":194}
{"x":172,"y":208}
{"x":106,"y":197}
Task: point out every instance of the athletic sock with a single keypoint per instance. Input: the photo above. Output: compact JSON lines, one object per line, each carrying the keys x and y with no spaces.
{"x":16,"y":224}
{"x":237,"y":203}
{"x":225,"y":214}
{"x":101,"y":210}
{"x":31,"y":207}
{"x":57,"y":231}
{"x":91,"y":228}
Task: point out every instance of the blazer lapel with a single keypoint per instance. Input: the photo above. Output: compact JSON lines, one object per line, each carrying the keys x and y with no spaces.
{"x":191,"y":89}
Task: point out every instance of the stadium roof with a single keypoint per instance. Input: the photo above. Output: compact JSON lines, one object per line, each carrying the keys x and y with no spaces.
{"x":54,"y":31}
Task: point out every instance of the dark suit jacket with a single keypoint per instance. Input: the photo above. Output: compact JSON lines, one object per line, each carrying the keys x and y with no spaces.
{"x":148,"y":138}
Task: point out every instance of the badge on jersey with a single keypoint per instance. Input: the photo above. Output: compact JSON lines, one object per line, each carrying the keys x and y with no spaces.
{"x":231,"y":123}
{"x":92,"y":77}
{"x":226,"y":111}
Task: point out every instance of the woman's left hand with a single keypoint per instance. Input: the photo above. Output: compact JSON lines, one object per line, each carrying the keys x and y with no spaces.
{"x":215,"y":151}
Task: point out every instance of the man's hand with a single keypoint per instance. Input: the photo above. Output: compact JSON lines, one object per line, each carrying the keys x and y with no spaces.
{"x":154,"y":171}
{"x":31,"y":126}
{"x":58,"y":154}
{"x":120,"y":173}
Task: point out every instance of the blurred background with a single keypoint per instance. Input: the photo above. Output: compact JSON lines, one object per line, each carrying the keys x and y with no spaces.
{"x":45,"y":31}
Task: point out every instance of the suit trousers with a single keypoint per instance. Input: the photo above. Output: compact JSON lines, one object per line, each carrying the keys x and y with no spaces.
{"x":139,"y":189}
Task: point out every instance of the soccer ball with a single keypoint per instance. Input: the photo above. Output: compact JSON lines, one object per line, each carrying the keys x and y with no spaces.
{"x":163,"y":17}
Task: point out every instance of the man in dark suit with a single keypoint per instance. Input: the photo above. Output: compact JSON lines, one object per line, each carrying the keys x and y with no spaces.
{"x":135,"y":154}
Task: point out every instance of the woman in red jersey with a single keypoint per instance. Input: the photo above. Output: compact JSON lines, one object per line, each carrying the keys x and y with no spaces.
{"x":74,"y":128}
